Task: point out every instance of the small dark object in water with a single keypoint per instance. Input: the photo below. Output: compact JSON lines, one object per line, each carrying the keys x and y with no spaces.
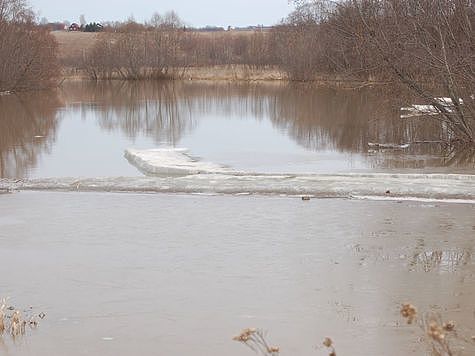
{"x":305,"y":198}
{"x":388,"y":191}
{"x":42,"y":315}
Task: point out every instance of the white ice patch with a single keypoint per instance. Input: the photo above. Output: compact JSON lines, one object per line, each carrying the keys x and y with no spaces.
{"x":420,"y":110}
{"x":173,"y":170}
{"x":424,"y":187}
{"x":393,"y":146}
{"x":170,"y":162}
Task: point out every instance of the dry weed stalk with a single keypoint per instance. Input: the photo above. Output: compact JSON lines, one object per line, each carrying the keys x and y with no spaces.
{"x":3,"y":305}
{"x":409,"y":312}
{"x":328,"y":343}
{"x":17,"y":324}
{"x":256,"y":341}
{"x":13,"y":321}
{"x":440,"y":335}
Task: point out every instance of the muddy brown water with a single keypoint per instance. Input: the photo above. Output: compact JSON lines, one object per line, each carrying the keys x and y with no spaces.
{"x":158,"y":274}
{"x":178,"y":274}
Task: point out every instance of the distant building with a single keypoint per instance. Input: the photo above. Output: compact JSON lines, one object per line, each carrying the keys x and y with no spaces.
{"x":74,"y":27}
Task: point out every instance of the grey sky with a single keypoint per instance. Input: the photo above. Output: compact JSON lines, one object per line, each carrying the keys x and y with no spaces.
{"x":193,"y":12}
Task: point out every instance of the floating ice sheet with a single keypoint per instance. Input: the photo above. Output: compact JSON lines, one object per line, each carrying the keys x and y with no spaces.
{"x":170,"y":162}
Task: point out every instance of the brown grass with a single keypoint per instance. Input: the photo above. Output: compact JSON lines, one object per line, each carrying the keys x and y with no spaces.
{"x":74,"y":44}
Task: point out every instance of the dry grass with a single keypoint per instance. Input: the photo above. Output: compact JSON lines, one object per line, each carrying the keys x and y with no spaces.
{"x":328,"y":343}
{"x":74,"y":44}
{"x":231,"y":73}
{"x":442,"y":337}
{"x":255,"y":339}
{"x":15,"y":323}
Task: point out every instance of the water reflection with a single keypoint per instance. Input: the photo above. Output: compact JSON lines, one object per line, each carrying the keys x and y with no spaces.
{"x":28,"y":124}
{"x":440,"y":261}
{"x":158,"y":110}
{"x":318,"y":120}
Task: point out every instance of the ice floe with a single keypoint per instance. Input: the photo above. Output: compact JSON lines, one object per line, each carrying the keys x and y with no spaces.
{"x":170,"y":162}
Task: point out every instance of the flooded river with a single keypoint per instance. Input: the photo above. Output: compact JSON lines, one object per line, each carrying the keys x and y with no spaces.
{"x":82,"y":129}
{"x":177,"y":265}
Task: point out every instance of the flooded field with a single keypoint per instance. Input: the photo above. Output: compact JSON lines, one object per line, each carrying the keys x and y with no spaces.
{"x":174,"y":251}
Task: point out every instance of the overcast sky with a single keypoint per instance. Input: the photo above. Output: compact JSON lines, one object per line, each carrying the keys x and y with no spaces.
{"x":193,"y":12}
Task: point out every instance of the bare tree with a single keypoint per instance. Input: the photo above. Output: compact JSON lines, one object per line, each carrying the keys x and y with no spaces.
{"x":27,"y":52}
{"x":427,"y":46}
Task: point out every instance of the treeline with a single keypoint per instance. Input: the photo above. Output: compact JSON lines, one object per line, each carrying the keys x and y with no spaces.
{"x":164,"y":53}
{"x":164,"y":46}
{"x":27,"y":52}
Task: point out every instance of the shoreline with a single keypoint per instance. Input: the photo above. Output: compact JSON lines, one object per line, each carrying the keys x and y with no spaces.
{"x":228,"y":73}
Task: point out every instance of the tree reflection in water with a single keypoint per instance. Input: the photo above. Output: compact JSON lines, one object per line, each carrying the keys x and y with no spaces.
{"x":316,"y":118}
{"x":441,"y":261}
{"x":28,"y":123}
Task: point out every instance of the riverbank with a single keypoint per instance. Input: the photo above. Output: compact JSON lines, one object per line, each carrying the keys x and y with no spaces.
{"x":232,"y":73}
{"x":212,"y":73}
